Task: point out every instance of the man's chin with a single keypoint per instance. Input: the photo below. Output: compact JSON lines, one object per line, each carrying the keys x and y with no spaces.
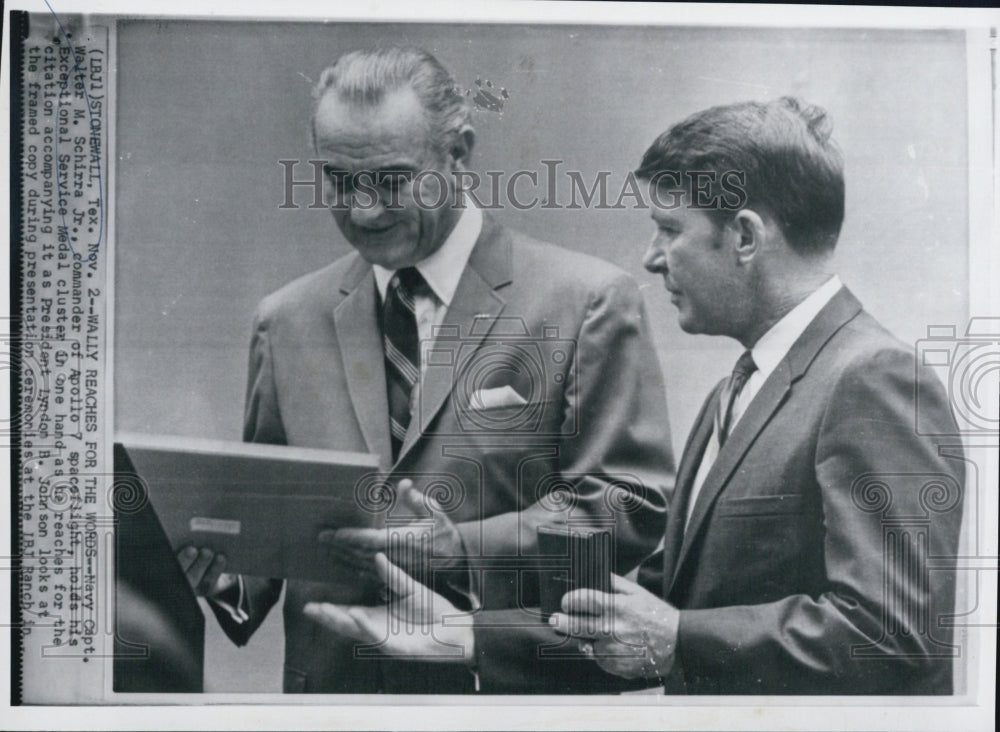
{"x":688,"y":325}
{"x":390,"y":257}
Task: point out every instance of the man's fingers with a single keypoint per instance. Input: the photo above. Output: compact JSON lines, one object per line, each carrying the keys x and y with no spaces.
{"x":559,"y":623}
{"x":361,"y":560}
{"x":590,"y":612}
{"x":371,"y":540}
{"x":399,"y":582}
{"x":564,"y":624}
{"x":585,"y":602}
{"x":333,"y":617}
{"x":337,"y":618}
{"x":616,"y":666}
{"x":212,"y":574}
{"x":414,"y":500}
{"x":186,"y":557}
{"x":622,"y":586}
{"x":327,"y":536}
{"x":606,"y":652}
{"x":201,"y":563}
{"x":373,"y":628}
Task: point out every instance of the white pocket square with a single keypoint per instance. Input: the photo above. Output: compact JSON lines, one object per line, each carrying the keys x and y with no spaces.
{"x":501,"y":396}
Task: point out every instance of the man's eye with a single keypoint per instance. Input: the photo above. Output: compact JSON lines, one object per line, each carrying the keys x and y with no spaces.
{"x":393,"y":183}
{"x":339,"y":179}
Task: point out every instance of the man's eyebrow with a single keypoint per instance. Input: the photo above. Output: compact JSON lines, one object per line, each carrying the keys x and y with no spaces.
{"x":663,"y":217}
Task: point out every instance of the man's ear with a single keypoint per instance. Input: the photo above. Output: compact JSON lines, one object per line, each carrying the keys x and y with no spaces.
{"x":462,"y":144}
{"x":751,"y":235}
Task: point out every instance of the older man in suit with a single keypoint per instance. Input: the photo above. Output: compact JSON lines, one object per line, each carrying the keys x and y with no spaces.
{"x":473,"y":360}
{"x":812,"y":536}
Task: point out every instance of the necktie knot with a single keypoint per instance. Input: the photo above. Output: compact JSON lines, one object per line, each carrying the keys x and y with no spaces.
{"x":745,"y":366}
{"x":409,"y":280}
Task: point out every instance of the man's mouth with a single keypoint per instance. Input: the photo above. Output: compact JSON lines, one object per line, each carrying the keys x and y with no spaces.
{"x":374,"y":230}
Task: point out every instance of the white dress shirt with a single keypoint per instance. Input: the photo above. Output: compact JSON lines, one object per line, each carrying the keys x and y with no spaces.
{"x":767,"y":353}
{"x":442,"y":271}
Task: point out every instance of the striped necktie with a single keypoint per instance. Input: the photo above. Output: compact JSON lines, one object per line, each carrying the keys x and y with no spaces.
{"x":401,"y":342}
{"x":724,"y":416}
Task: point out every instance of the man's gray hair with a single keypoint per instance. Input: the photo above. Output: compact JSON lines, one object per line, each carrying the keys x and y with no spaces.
{"x":363,"y":77}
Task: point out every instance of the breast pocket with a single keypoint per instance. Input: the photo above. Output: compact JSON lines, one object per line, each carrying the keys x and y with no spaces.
{"x":530,"y":418}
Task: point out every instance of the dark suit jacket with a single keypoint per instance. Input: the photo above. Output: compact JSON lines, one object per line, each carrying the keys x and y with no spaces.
{"x":819,"y":558}
{"x":566,"y":331}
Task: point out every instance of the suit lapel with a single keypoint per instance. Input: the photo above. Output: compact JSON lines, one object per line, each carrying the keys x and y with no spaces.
{"x":691,"y":459}
{"x":771,"y":395}
{"x":774,"y":392}
{"x":360,"y":342}
{"x":470,"y":318}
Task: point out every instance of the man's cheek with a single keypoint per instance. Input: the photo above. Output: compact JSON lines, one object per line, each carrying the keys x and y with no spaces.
{"x":430,"y":191}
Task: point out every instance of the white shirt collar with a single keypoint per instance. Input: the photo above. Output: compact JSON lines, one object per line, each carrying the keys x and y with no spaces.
{"x":443,"y":269}
{"x":778,"y":341}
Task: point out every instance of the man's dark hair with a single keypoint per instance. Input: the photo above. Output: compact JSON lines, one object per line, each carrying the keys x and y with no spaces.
{"x":782,"y":149}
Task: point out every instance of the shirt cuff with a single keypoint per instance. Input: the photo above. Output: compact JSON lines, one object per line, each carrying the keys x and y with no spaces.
{"x":232,"y":600}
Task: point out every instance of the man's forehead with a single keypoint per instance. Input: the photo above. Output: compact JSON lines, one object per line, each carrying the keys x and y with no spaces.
{"x":668,"y":203}
{"x":363,"y":154}
{"x":398,"y":112}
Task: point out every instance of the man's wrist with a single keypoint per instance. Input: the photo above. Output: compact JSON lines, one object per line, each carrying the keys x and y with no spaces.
{"x":663,"y":650}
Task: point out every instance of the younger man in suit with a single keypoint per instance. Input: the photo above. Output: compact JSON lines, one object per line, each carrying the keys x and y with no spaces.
{"x":811,"y":539}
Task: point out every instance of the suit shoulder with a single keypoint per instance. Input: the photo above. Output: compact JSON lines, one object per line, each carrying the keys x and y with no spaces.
{"x":865,"y":365}
{"x":553,"y":266}
{"x":318,"y":290}
{"x":876,"y":388}
{"x":864,"y":343}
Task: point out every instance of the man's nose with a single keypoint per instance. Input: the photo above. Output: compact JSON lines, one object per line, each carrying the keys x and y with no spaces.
{"x":654,"y":260}
{"x":366,"y":209}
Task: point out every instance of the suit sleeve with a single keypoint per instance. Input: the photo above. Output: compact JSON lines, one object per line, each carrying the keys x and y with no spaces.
{"x":261,"y":415}
{"x":891,"y":510}
{"x":261,"y":423}
{"x":619,"y":459}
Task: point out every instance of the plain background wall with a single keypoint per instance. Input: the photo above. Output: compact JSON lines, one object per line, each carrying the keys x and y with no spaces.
{"x":206,"y":109}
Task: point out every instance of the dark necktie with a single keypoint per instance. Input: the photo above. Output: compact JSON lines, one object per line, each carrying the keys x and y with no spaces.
{"x":741,"y":372}
{"x":401,"y":342}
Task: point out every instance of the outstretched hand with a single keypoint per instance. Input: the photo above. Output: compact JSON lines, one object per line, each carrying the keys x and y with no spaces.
{"x":357,"y":547}
{"x":416,"y":623}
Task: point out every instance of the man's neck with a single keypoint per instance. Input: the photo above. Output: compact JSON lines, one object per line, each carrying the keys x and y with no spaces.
{"x":776,"y":303}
